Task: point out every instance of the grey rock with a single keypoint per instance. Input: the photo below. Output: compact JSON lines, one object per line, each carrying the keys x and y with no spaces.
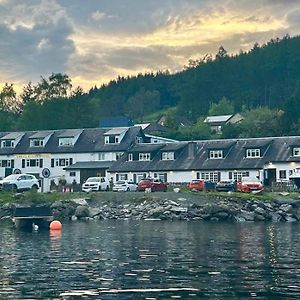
{"x":260,"y":211}
{"x":79,"y":201}
{"x":81,"y":212}
{"x":276,"y":217}
{"x":94,"y":211}
{"x":247,"y":215}
{"x":259,"y":217}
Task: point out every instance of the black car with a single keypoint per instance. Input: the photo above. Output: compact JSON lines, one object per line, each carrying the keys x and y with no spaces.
{"x":226,"y":186}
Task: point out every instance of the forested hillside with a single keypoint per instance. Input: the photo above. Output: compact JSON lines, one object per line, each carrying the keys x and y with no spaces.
{"x":263,"y":84}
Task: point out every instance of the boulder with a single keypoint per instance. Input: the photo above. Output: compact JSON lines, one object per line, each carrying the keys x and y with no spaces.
{"x":81,"y":212}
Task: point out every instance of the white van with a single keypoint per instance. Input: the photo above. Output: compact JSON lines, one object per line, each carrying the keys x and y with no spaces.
{"x":94,"y":184}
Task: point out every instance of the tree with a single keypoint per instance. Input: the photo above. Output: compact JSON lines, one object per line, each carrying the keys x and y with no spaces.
{"x":8,"y":99}
{"x":260,"y":122}
{"x":56,"y":86}
{"x":223,"y":107}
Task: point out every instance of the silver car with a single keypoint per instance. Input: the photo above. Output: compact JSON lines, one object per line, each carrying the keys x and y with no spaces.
{"x":124,"y":186}
{"x":19,"y":182}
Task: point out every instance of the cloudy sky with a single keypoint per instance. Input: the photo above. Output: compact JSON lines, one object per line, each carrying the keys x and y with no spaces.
{"x":94,"y":41}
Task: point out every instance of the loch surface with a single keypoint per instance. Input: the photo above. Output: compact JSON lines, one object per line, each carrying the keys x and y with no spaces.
{"x":151,"y":260}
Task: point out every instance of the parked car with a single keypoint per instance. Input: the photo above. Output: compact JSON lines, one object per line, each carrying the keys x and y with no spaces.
{"x":94,"y":184}
{"x":196,"y":185}
{"x":226,"y":186}
{"x":19,"y":182}
{"x":124,"y":186}
{"x":249,"y":184}
{"x":152,"y":184}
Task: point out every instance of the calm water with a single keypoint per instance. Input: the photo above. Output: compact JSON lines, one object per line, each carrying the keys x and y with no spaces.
{"x":152,"y":260}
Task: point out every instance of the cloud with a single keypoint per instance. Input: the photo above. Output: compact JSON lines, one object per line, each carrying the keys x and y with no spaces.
{"x":95,"y":42}
{"x":34,"y":40}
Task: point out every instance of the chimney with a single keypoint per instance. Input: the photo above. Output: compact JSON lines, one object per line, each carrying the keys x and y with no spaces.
{"x":191,"y":150}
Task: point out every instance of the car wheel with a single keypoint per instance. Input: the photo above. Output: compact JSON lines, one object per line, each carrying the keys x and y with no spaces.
{"x":107,"y":188}
{"x":14,"y":188}
{"x":34,"y":187}
{"x":128,"y":189}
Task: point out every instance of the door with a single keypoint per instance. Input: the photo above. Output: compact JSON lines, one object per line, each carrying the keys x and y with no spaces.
{"x":269,"y":176}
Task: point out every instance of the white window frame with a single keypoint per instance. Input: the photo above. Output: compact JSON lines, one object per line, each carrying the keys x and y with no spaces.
{"x":167,"y":155}
{"x":62,"y":162}
{"x":36,"y":143}
{"x":66,"y":142}
{"x":237,"y":175}
{"x":7,"y":164}
{"x":215,"y":154}
{"x":253,"y":153}
{"x":145,"y":156}
{"x":102,"y":156}
{"x":296,"y":151}
{"x":34,"y":160}
{"x":211,"y":176}
{"x":130,"y":157}
{"x":8,"y":144}
{"x":123,"y":176}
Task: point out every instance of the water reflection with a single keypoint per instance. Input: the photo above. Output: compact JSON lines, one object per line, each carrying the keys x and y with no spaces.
{"x":151,"y":260}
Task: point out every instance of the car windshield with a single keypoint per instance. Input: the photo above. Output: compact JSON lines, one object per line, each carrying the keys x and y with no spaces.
{"x":12,"y":177}
{"x":195,"y":181}
{"x":93,"y":179}
{"x":121,"y":182}
{"x":250,"y":179}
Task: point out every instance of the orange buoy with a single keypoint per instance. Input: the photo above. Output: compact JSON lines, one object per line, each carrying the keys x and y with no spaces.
{"x":55,"y":225}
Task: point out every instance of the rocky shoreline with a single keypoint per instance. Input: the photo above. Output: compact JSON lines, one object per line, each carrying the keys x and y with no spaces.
{"x":167,"y":206}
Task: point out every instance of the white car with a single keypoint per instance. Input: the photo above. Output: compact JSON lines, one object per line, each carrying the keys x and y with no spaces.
{"x":19,"y":182}
{"x":94,"y":184}
{"x":124,"y":186}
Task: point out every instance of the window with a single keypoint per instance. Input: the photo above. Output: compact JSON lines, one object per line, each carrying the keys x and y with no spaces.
{"x":102,"y":156}
{"x":167,"y":156}
{"x":211,"y":176}
{"x":130,"y":157}
{"x":139,"y":140}
{"x":67,"y":141}
{"x":237,"y":175}
{"x":7,"y":163}
{"x":161,"y":176}
{"x":215,"y":154}
{"x":251,"y":153}
{"x":144,"y":156}
{"x":61,"y":162}
{"x":282,"y":174}
{"x":8,"y":144}
{"x":111,"y":139}
{"x":118,"y":155}
{"x":72,"y":174}
{"x":32,"y":163}
{"x":123,"y":177}
{"x":36,"y":143}
{"x":296,"y":151}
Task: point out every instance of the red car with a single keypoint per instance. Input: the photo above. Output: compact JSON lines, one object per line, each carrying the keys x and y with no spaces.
{"x":197,"y":185}
{"x":152,"y":184}
{"x":248,"y":185}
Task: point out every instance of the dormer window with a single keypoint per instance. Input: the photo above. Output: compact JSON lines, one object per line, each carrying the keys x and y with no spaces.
{"x":296,"y":151}
{"x":215,"y":154}
{"x":66,"y":142}
{"x":139,"y":140}
{"x":36,"y":143}
{"x":253,"y":153}
{"x":8,"y":144}
{"x":167,"y":155}
{"x":111,"y":139}
{"x":144,"y":156}
{"x":130,"y":157}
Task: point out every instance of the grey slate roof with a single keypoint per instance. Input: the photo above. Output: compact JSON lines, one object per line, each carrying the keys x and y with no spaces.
{"x":40,"y":134}
{"x":90,"y":165}
{"x":276,"y":149}
{"x":90,"y":140}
